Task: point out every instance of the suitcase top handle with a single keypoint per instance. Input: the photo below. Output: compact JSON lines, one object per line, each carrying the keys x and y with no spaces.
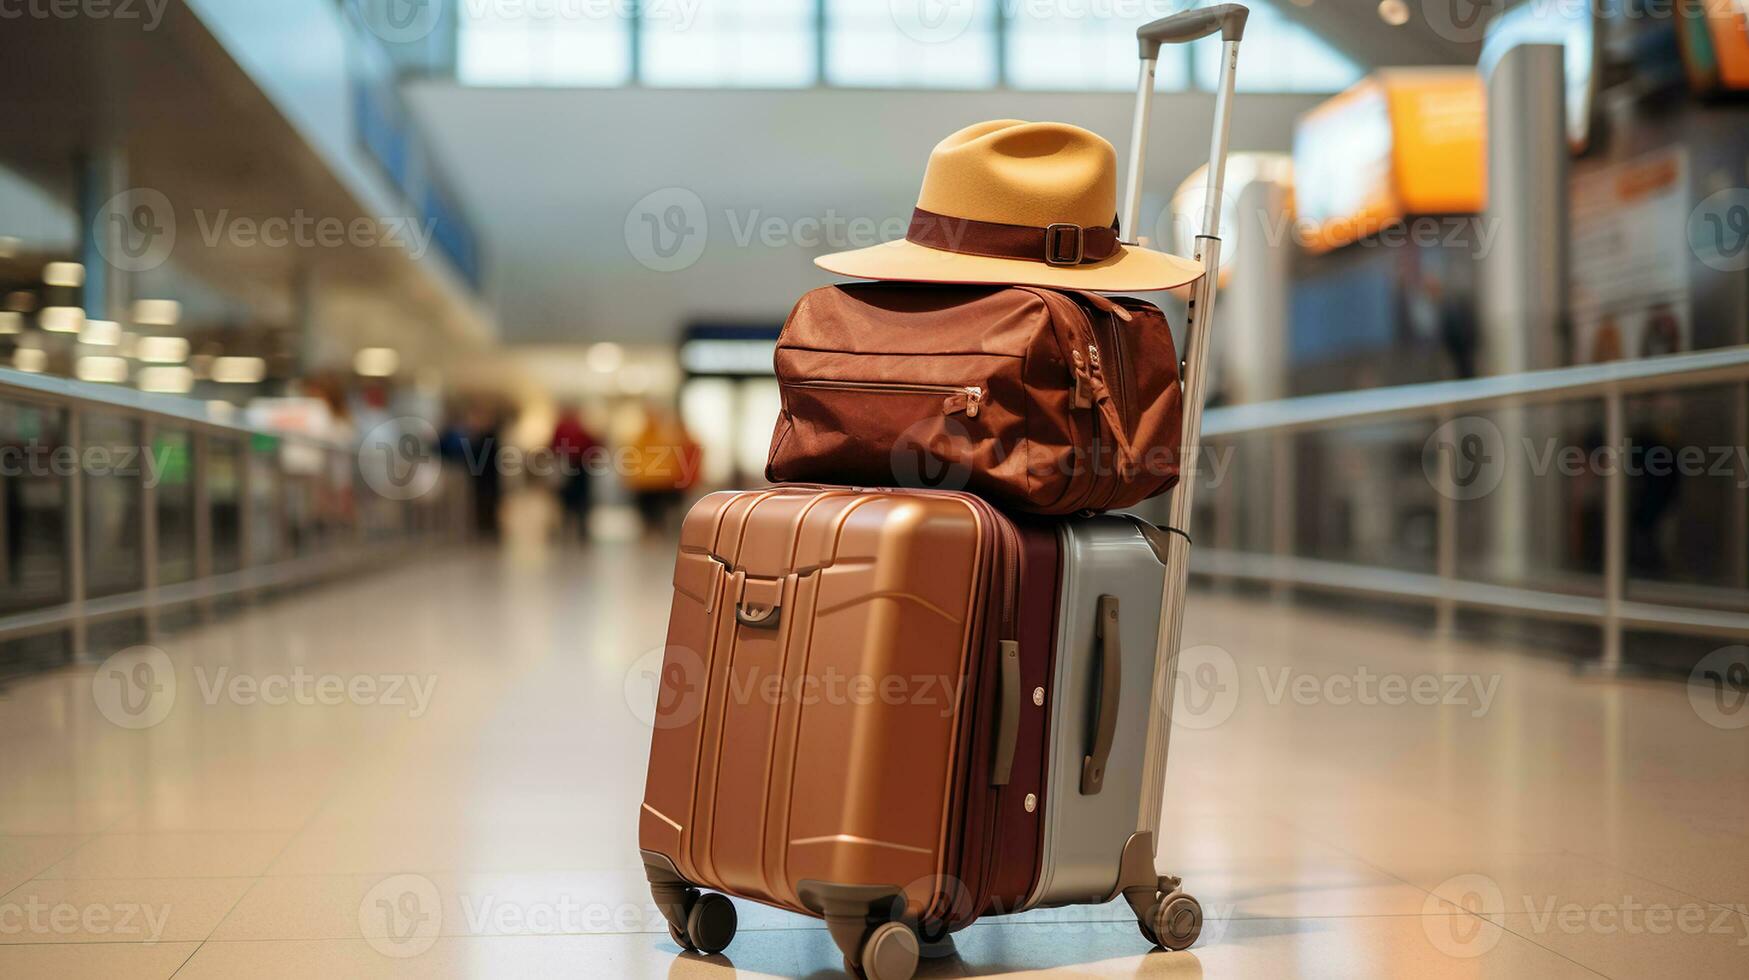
{"x":1191,"y":25}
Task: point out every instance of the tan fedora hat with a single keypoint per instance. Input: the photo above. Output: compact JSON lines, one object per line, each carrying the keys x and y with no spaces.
{"x":1012,"y":202}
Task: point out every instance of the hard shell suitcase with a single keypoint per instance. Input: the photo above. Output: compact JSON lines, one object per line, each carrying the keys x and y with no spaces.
{"x":1113,"y":574}
{"x":843,"y":728}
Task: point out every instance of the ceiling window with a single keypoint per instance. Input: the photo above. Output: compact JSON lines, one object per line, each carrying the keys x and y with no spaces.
{"x":911,"y":43}
{"x":1044,"y":45}
{"x":1069,"y":45}
{"x":751,"y":43}
{"x":1278,"y":55}
{"x":543,"y":42}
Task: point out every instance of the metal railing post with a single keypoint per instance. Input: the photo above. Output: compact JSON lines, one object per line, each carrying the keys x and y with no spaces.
{"x":75,"y":530}
{"x":1445,"y":545}
{"x":148,"y":526}
{"x":1615,"y":530}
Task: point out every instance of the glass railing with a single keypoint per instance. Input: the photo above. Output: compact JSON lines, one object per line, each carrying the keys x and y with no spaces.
{"x":123,"y":514}
{"x":1613,"y":497}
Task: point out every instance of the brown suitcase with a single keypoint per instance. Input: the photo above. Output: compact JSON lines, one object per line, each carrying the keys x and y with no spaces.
{"x":846,"y":724}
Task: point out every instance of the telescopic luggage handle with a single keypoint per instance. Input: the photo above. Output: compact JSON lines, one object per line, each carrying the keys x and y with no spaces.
{"x":1229,"y":19}
{"x":1191,"y":25}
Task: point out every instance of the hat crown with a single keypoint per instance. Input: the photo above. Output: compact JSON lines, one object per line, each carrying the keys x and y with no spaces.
{"x":1020,"y":173}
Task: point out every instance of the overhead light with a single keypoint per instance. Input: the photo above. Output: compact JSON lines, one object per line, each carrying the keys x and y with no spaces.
{"x":157,"y":312}
{"x":100,"y":333}
{"x":69,"y":274}
{"x":605,"y":357}
{"x":32,"y":360}
{"x":238,"y":370}
{"x":103,"y":368}
{"x":162,"y":350}
{"x":174,"y":380}
{"x":1394,"y":12}
{"x":11,"y":322}
{"x":62,"y":319}
{"x":376,"y":362}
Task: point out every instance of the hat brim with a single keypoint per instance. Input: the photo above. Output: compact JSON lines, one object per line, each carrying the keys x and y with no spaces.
{"x":1133,"y":269}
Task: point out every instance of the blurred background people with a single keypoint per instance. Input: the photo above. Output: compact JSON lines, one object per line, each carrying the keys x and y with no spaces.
{"x":661,"y":464}
{"x":576,"y":453}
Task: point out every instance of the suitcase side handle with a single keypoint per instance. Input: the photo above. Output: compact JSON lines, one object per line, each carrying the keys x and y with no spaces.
{"x":1193,"y":25}
{"x":1110,"y":693}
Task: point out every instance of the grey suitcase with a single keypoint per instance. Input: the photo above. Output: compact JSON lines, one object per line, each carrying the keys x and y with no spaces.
{"x":1113,"y":576}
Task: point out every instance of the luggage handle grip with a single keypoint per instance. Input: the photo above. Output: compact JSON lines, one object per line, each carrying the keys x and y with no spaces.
{"x":1193,"y":25}
{"x":759,"y":617}
{"x":1008,"y":719}
{"x":1110,"y":693}
{"x":759,"y":601}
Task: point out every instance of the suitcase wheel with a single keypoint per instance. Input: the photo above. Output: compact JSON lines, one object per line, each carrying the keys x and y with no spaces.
{"x":889,"y":953}
{"x":710,"y":925}
{"x":1175,"y":922}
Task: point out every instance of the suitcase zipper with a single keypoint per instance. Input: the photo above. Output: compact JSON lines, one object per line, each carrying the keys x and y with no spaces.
{"x":958,"y":398}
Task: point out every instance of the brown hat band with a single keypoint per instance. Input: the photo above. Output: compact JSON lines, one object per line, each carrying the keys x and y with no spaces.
{"x":1058,"y":244}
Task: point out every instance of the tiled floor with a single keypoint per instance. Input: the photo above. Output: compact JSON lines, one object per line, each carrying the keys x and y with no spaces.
{"x":435,"y":773}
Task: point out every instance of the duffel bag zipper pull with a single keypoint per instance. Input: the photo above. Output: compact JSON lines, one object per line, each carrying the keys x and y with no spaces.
{"x":970,"y":400}
{"x":1083,"y":381}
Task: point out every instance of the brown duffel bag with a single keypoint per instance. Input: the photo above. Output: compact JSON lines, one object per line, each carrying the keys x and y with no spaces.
{"x":1036,"y":399}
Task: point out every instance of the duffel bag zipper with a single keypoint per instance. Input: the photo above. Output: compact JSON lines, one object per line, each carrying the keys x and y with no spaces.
{"x":958,"y":398}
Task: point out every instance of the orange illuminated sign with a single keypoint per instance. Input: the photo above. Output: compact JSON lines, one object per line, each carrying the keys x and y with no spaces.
{"x":1401,"y":142}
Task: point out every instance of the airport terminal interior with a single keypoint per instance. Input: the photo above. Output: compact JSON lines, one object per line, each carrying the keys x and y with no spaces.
{"x":360,"y":361}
